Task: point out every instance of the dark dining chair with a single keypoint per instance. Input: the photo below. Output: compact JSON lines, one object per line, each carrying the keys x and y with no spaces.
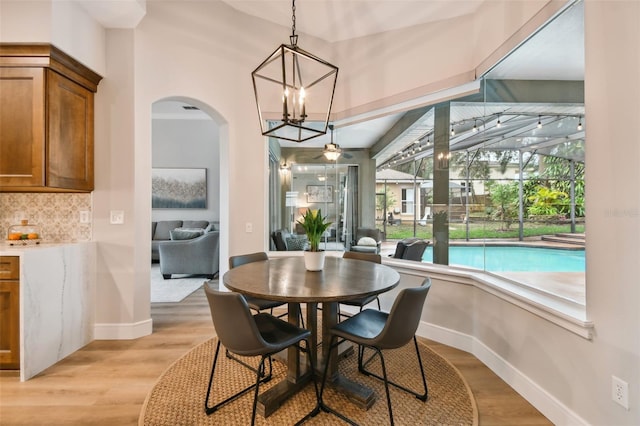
{"x":249,"y":335}
{"x":361,"y":302}
{"x":256,"y":303}
{"x":380,"y":330}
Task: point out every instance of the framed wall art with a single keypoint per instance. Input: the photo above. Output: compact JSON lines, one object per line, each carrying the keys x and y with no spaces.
{"x":319,"y":193}
{"x":179,"y":188}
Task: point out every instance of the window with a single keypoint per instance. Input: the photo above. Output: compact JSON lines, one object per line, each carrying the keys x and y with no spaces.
{"x":407,"y":200}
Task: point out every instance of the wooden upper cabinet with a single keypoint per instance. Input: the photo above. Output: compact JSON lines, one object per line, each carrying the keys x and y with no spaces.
{"x":22,"y":126}
{"x":69,"y":134}
{"x":46,"y":120}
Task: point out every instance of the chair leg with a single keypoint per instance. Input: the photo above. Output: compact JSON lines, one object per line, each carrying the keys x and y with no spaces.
{"x":386,"y":385}
{"x":250,"y":367}
{"x":316,"y":410}
{"x":257,"y":386}
{"x":259,"y":373}
{"x":321,"y":405}
{"x":423,"y":397}
{"x":362,"y":364}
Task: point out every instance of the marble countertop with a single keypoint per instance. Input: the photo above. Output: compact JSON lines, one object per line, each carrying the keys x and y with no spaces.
{"x":57,"y":301}
{"x":17,"y":250}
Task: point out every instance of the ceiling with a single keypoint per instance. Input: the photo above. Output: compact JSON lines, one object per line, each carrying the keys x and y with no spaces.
{"x":339,"y":20}
{"x":555,"y":52}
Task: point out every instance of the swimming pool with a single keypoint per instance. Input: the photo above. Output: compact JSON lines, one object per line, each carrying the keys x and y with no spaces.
{"x":513,"y":258}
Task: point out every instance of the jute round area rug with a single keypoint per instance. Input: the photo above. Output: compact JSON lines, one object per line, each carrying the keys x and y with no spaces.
{"x":178,"y":396}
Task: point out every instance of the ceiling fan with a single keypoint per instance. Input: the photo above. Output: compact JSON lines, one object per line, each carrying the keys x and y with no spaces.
{"x":332,"y":150}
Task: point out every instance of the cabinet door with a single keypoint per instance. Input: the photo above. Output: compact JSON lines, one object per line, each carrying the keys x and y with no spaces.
{"x":70,"y":134}
{"x":10,"y":325}
{"x":22,"y":124}
{"x":9,"y":313}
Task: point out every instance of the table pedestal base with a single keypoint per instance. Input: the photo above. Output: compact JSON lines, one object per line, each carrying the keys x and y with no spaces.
{"x":270,"y":400}
{"x":360,"y":395}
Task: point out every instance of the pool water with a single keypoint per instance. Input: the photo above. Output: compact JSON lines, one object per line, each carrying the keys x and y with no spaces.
{"x":513,"y":258}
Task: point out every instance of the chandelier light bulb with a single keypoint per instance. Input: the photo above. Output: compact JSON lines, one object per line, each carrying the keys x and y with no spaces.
{"x":580,"y":124}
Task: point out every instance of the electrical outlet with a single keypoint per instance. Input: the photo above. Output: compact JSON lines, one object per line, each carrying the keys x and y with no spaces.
{"x":117,"y":217}
{"x":620,"y":391}
{"x":84,"y":216}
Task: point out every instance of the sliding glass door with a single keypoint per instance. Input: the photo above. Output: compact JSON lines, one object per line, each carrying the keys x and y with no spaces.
{"x":330,"y":188}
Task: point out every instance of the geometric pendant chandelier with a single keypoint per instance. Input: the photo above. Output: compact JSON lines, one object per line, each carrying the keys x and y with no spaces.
{"x":294,"y":91}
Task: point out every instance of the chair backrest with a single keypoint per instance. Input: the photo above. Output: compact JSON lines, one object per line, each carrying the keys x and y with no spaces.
{"x":415,"y":250}
{"x":234,"y":324}
{"x":241,"y":259}
{"x":404,"y":317}
{"x":370,"y":257}
{"x":374,"y":233}
{"x":411,"y":249}
{"x":402,"y":246}
{"x":278,"y":238}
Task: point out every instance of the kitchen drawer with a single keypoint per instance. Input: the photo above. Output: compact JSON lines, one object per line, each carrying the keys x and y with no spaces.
{"x":9,"y":267}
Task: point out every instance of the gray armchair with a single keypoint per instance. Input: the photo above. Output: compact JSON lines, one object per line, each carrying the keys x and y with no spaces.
{"x":368,"y":240}
{"x":198,"y":256}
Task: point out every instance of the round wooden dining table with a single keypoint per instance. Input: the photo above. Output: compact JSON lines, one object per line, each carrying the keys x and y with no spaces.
{"x":286,"y":279}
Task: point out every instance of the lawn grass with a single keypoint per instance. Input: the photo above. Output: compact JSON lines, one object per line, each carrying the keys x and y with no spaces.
{"x":481,"y":230}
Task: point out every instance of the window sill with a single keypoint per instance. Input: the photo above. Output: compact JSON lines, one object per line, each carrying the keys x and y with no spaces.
{"x":561,"y":311}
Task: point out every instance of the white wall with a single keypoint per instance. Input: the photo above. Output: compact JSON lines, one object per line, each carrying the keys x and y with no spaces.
{"x":188,"y":144}
{"x":612,"y":96}
{"x":206,"y":51}
{"x":63,"y":23}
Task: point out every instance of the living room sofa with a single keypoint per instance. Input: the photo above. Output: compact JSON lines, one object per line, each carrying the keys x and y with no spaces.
{"x":186,"y":247}
{"x":161,"y":231}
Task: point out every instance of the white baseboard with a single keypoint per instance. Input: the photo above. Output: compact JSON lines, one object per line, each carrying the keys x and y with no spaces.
{"x":546,"y":403}
{"x":123,"y":331}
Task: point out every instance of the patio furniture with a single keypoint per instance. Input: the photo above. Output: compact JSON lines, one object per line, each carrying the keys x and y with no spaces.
{"x":367,"y":240}
{"x":411,"y":249}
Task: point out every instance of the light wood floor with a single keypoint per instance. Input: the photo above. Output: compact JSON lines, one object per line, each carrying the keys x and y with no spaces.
{"x":106,"y":382}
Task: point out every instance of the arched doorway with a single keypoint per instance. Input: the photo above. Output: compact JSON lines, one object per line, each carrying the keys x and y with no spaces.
{"x":185,"y":143}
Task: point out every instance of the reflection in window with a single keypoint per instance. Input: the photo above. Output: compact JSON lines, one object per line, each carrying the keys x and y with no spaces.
{"x":328,"y":187}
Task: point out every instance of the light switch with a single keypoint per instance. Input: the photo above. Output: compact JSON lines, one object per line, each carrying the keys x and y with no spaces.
{"x":117,"y":217}
{"x":248,"y":227}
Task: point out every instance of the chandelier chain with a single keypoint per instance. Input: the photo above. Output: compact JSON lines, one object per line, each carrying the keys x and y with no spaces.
{"x":293,"y":17}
